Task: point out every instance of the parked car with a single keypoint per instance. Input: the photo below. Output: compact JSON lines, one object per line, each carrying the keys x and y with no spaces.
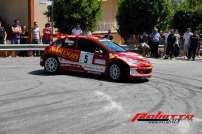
{"x":94,"y":55}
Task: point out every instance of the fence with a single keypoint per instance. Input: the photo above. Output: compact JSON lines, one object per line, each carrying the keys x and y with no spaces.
{"x":11,"y":49}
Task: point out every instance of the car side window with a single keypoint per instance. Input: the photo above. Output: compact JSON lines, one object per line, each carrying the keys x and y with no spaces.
{"x":86,"y":45}
{"x":69,"y":43}
{"x":58,"y":43}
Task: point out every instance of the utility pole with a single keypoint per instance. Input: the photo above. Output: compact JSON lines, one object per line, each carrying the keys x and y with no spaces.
{"x":51,"y":4}
{"x":52,"y":16}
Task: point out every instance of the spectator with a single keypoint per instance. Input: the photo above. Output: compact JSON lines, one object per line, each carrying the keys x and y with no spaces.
{"x":46,"y":34}
{"x":170,"y":46}
{"x":87,"y":32}
{"x":36,"y":34}
{"x":186,"y":38}
{"x":24,"y":40}
{"x":16,"y":32}
{"x":199,"y":46}
{"x":36,"y":37}
{"x":109,"y":35}
{"x":165,"y":38}
{"x":24,"y":35}
{"x":3,"y":34}
{"x":194,"y":41}
{"x":177,"y":44}
{"x":143,"y":43}
{"x":77,"y":30}
{"x":155,"y":41}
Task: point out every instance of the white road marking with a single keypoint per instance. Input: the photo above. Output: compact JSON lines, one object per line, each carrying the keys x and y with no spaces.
{"x":186,"y":127}
{"x":112,"y":104}
{"x":197,"y":120}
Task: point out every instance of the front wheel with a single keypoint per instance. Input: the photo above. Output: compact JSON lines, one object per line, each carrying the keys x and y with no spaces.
{"x":51,"y":65}
{"x":115,"y":72}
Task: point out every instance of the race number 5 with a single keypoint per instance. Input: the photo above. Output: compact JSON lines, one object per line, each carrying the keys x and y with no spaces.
{"x":86,"y":57}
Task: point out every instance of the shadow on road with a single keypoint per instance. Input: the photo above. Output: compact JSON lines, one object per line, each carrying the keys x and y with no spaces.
{"x":42,"y":72}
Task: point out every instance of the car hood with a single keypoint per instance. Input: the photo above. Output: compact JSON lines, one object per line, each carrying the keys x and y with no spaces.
{"x":127,"y":56}
{"x":130,"y":55}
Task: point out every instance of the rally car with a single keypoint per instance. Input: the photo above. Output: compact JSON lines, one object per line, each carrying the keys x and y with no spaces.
{"x":94,"y":55}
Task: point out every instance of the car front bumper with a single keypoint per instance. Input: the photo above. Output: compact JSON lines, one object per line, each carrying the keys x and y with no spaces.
{"x":140,"y":73}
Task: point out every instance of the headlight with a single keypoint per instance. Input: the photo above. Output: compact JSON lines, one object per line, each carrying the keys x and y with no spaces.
{"x":132,"y":61}
{"x":147,"y":61}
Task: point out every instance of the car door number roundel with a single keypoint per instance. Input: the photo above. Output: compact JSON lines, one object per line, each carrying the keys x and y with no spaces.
{"x":86,"y":57}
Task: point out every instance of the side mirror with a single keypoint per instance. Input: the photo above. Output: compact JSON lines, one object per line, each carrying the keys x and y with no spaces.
{"x":99,"y":51}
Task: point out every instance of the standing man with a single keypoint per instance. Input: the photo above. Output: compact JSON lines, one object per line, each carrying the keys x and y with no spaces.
{"x":3,"y":34}
{"x":194,"y":41}
{"x":177,"y":44}
{"x":77,"y":30}
{"x":186,"y":38}
{"x":155,"y":41}
{"x":36,"y":37}
{"x":165,"y":37}
{"x":170,"y":45}
{"x":16,"y":32}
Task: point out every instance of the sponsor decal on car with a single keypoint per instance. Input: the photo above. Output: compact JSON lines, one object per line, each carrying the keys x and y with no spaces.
{"x":87,"y":67}
{"x":72,"y":55}
{"x":56,"y":51}
{"x":95,"y":68}
{"x":100,"y":61}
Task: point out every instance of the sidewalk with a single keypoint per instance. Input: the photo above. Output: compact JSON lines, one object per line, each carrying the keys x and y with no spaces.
{"x":184,"y":58}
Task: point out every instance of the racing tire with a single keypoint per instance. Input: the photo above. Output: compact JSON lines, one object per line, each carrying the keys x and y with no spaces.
{"x":51,"y":65}
{"x":116,"y":72}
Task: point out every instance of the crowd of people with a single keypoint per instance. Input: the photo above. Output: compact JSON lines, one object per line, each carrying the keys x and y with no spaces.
{"x":19,"y":34}
{"x":187,"y":45}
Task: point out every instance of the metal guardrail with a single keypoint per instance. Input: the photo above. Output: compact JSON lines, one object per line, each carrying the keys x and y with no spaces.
{"x":23,"y":47}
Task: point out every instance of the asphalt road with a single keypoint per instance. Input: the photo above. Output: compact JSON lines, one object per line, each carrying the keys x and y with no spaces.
{"x":32,"y":102}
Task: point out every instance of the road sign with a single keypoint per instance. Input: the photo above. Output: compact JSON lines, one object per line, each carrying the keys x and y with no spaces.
{"x":47,"y":2}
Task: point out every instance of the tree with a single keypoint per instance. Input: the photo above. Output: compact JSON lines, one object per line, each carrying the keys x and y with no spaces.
{"x":67,"y":13}
{"x":137,"y":16}
{"x":181,"y":21}
{"x":188,"y":14}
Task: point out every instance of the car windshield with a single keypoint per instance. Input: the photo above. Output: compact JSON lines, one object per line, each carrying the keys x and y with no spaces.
{"x":112,"y":46}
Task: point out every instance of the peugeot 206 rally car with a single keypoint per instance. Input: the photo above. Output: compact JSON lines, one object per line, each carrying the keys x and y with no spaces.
{"x":94,"y":55}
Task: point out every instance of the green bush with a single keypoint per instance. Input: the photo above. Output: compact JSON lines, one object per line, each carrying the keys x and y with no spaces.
{"x":137,"y":16}
{"x":67,"y":13}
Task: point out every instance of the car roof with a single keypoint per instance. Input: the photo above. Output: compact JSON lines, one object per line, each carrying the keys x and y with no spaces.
{"x":62,"y":36}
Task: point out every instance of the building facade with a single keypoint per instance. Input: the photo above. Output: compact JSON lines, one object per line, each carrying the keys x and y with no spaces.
{"x":29,"y":11}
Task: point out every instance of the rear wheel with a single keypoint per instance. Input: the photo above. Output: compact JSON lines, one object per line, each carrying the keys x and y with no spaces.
{"x":51,"y":65}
